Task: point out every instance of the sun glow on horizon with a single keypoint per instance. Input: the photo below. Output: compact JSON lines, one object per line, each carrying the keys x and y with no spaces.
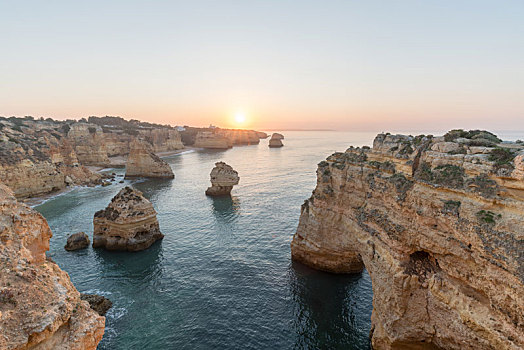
{"x":240,"y":118}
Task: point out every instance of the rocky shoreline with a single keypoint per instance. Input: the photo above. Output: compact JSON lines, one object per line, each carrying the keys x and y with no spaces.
{"x":43,"y":156}
{"x":437,"y":222}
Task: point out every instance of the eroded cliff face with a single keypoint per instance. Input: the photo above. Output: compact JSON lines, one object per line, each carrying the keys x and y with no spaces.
{"x":223,"y":177}
{"x":43,"y":156}
{"x":210,"y":140}
{"x":128,"y":223}
{"x":142,"y":162}
{"x":36,"y":158}
{"x":39,"y":306}
{"x":438,"y":224}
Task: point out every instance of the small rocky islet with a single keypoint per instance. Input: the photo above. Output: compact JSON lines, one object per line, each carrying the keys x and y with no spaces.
{"x":128,"y":223}
{"x":223,"y":178}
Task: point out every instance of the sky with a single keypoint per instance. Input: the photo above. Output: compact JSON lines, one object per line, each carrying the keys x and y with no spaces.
{"x":342,"y":65}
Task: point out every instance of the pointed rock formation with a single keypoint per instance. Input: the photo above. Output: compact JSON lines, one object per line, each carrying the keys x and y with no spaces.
{"x":276,"y":140}
{"x":39,"y":306}
{"x":223,"y":178}
{"x":142,"y":162}
{"x":437,"y":225}
{"x":128,"y":223}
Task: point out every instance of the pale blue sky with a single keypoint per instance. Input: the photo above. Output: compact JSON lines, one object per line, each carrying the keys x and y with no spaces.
{"x":352,"y":65}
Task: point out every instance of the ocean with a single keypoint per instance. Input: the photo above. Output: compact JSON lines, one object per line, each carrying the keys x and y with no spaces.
{"x":222,"y":278}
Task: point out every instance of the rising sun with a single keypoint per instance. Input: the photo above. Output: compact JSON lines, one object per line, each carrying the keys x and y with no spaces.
{"x":240,"y":117}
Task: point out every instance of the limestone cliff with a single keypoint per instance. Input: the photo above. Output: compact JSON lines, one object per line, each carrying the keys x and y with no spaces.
{"x":205,"y":139}
{"x":88,"y":141}
{"x":223,"y":178}
{"x":39,"y":306}
{"x":128,"y":223}
{"x":36,"y":158}
{"x":142,"y":162}
{"x":437,"y":222}
{"x":240,"y":137}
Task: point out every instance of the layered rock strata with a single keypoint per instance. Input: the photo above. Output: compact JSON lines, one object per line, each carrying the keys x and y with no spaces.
{"x":276,"y":140}
{"x":437,"y":222}
{"x":36,"y":158}
{"x":39,"y":306}
{"x":142,"y":162}
{"x":211,"y":140}
{"x":240,"y":137}
{"x":223,"y":178}
{"x":128,"y":223}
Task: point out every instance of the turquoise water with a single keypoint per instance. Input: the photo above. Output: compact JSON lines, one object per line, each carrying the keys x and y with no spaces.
{"x":222,"y":277}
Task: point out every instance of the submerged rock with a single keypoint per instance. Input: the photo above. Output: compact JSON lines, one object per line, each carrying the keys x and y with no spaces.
{"x":223,"y":178}
{"x":77,"y":241}
{"x":276,"y":140}
{"x":142,"y":162}
{"x":128,"y":223}
{"x":98,"y":303}
{"x":438,"y":230}
{"x":39,"y":306}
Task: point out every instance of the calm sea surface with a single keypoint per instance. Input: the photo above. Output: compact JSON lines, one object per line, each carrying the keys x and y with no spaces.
{"x":222,"y":278}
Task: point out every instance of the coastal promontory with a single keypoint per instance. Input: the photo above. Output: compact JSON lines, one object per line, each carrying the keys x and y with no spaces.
{"x":437,"y":223}
{"x":128,"y":223}
{"x":39,"y":306}
{"x":143,"y":162}
{"x":223,"y":178}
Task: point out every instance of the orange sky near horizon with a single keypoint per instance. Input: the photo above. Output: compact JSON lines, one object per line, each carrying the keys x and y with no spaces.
{"x":349,"y":66}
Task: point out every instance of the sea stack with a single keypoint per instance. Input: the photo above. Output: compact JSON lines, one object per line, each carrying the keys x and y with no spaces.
{"x":223,"y":178}
{"x":437,"y":222}
{"x":276,"y":140}
{"x":39,"y":306}
{"x":128,"y":223}
{"x":143,"y":162}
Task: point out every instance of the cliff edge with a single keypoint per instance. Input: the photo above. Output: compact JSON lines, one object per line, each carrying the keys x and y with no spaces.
{"x":438,"y":223}
{"x":39,"y":306}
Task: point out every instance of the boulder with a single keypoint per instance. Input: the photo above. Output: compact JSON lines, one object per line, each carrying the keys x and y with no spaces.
{"x":98,"y":303}
{"x":77,"y":241}
{"x":445,"y":147}
{"x":142,"y":162}
{"x":223,"y":178}
{"x":128,"y":223}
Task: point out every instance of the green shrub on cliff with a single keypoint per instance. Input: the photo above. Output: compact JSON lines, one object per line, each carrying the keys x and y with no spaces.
{"x":487,"y":217}
{"x":502,"y":157}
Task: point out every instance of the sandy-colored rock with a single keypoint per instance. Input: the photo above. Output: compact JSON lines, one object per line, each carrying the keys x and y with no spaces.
{"x":77,"y":241}
{"x":276,"y":140}
{"x":88,"y":141}
{"x":240,"y":137}
{"x":39,"y":306}
{"x":445,"y":147}
{"x":210,"y":140}
{"x":440,"y":235}
{"x":223,"y":178}
{"x":142,"y":162}
{"x":128,"y":223}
